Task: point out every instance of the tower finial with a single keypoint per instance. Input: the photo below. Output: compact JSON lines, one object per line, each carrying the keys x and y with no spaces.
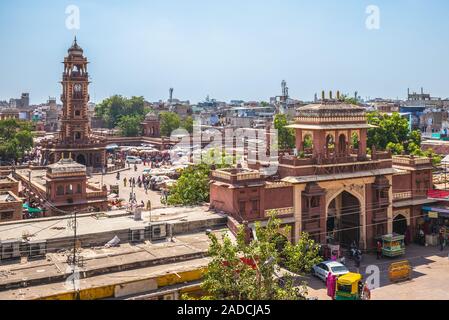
{"x":75,"y":41}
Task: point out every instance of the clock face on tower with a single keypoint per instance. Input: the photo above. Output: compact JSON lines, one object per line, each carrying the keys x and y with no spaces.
{"x":77,"y":87}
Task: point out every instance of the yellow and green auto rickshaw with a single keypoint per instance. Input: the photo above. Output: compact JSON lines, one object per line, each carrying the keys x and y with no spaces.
{"x":351,"y":287}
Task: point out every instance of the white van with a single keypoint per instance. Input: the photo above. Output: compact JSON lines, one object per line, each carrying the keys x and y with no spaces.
{"x":133,"y":160}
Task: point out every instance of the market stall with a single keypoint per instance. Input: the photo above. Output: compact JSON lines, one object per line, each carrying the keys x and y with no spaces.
{"x":434,"y":222}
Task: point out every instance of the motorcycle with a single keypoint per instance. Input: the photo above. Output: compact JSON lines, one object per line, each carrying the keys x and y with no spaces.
{"x":354,"y":251}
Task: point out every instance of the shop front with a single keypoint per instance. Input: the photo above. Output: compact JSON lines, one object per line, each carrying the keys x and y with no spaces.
{"x":435,"y":221}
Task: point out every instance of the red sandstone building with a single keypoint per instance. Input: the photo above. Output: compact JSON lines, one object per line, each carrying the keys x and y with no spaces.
{"x":75,"y":136}
{"x":151,"y":126}
{"x":62,"y":188}
{"x":334,"y":189}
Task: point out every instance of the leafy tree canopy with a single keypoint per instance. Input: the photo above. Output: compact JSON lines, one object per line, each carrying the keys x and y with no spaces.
{"x":286,"y":136}
{"x":130,"y":125}
{"x":15,"y":139}
{"x":113,"y":108}
{"x":392,"y":133}
{"x":170,"y":121}
{"x":241,"y":271}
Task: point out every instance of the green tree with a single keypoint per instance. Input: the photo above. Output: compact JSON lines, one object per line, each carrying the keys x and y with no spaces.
{"x":113,"y":108}
{"x":192,"y":187}
{"x":242,"y":271}
{"x":390,"y":129}
{"x":395,"y":148}
{"x":286,"y":136}
{"x":187,"y":124}
{"x":15,"y":139}
{"x":170,"y":121}
{"x":130,"y":125}
{"x":302,"y":256}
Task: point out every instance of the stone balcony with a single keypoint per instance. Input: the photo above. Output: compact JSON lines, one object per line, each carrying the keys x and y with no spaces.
{"x":308,"y":166}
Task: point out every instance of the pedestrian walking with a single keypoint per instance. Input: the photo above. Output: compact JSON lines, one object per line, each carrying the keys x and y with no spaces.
{"x":379,"y":250}
{"x":124,"y":182}
{"x":358,"y":259}
{"x":441,"y":238}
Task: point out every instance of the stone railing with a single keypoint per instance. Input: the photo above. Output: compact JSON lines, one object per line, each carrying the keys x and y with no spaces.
{"x":240,"y":176}
{"x":411,"y":161}
{"x":402,"y":195}
{"x":333,"y":119}
{"x":96,"y":194}
{"x":274,"y":185}
{"x":280,"y":211}
{"x":248,"y":176}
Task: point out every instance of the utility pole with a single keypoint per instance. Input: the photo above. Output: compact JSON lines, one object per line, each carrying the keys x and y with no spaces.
{"x":73,"y":260}
{"x":29,"y":187}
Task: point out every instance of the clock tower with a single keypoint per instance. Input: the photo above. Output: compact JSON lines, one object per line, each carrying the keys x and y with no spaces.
{"x":75,"y":138}
{"x":75,"y":97}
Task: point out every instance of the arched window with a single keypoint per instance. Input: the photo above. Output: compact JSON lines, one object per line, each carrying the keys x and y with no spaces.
{"x":355,"y":141}
{"x":69,"y":189}
{"x":307,"y":144}
{"x":330,"y":144}
{"x":77,"y":135}
{"x":342,"y":144}
{"x":78,"y":188}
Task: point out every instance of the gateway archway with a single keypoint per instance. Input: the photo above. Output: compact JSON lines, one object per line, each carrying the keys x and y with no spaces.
{"x":400,"y":224}
{"x":343,"y":219}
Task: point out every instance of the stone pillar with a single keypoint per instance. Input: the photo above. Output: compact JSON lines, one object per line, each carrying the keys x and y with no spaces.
{"x":297,"y":206}
{"x":298,"y":140}
{"x":363,"y":221}
{"x":362,"y":142}
{"x":390,"y":206}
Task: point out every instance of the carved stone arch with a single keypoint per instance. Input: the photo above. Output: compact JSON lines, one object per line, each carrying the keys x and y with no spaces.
{"x":404,"y":212}
{"x":305,"y":134}
{"x":336,"y":192}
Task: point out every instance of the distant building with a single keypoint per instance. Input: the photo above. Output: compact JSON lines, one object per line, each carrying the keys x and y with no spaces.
{"x":52,"y":116}
{"x":22,"y":103}
{"x":10,"y":207}
{"x":67,"y":189}
{"x":182,"y":109}
{"x":151,"y":126}
{"x":9,"y":113}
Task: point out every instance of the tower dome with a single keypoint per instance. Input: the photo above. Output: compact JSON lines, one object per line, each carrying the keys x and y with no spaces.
{"x":75,"y":49}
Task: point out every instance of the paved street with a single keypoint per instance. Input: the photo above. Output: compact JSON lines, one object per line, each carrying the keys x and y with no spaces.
{"x":111,"y":179}
{"x":430,"y":276}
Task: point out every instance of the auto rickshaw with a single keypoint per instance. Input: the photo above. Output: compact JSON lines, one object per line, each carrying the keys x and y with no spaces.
{"x":351,"y":287}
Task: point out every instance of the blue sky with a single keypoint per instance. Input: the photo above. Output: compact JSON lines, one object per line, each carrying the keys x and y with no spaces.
{"x":228,"y":49}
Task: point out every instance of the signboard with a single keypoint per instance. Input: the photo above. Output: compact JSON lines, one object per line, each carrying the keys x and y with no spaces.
{"x":438,"y":194}
{"x":433,"y":215}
